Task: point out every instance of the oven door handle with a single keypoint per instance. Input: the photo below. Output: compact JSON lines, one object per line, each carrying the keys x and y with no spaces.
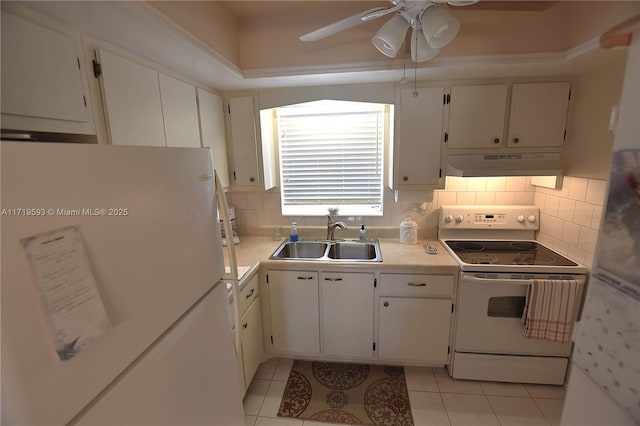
{"x":508,"y":281}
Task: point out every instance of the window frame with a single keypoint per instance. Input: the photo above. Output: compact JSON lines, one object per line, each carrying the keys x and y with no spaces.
{"x":385,"y":113}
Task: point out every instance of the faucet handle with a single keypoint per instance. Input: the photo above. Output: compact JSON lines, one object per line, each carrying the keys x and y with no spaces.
{"x":329,"y":220}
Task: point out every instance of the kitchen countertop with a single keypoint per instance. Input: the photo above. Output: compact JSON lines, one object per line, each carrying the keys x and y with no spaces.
{"x":396,"y":257}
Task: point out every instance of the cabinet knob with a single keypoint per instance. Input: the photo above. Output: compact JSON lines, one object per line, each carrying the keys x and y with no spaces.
{"x":516,"y":140}
{"x":252,"y":179}
{"x":496,"y":140}
{"x":405,"y":178}
{"x":386,"y":304}
{"x":245,"y":325}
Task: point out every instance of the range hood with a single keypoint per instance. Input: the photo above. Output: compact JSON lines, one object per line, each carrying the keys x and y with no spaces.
{"x":536,"y":164}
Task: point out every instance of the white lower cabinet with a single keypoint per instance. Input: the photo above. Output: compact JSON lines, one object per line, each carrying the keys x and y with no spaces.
{"x":415,"y":314}
{"x":414,"y":329}
{"x":252,"y":350}
{"x":347,"y":313}
{"x":335,"y":315}
{"x":295,"y":314}
{"x":251,"y":334}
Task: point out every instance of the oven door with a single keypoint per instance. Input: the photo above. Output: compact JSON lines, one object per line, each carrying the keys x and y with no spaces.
{"x":490,"y":316}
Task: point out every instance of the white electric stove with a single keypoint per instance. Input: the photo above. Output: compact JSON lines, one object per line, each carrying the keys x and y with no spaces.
{"x":498,"y":256}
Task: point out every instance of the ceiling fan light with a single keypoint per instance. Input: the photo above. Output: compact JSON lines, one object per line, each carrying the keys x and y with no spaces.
{"x":390,"y":36}
{"x":420,"y":49}
{"x":439,"y":26}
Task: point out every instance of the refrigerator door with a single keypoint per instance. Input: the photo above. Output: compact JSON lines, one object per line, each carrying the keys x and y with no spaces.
{"x":604,"y":386}
{"x":189,"y":377}
{"x":154,"y":253}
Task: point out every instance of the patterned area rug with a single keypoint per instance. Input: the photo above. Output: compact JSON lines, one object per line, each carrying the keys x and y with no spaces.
{"x":356,"y":394}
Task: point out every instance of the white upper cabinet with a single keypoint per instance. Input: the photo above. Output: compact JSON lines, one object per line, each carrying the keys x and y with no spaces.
{"x":145,"y":107}
{"x":477,"y":116}
{"x":211,"y":114}
{"x":538,"y":114}
{"x":242,"y":125}
{"x":43,"y":83}
{"x":418,"y":142}
{"x":132,"y":102}
{"x":180,"y":112}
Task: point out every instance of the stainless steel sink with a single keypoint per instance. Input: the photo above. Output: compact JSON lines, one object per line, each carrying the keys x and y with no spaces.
{"x":329,"y":251}
{"x":353,"y":251}
{"x":300,"y":250}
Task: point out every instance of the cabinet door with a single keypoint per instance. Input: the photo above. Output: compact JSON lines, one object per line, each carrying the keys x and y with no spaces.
{"x":414,"y":329}
{"x":419,"y":138}
{"x":295,"y":315}
{"x":252,"y":350}
{"x":41,"y":75}
{"x":477,"y":116}
{"x":180,"y":112}
{"x":538,"y":114}
{"x":132,"y":104}
{"x":347,"y":314}
{"x":211,"y":115}
{"x":243,"y":140}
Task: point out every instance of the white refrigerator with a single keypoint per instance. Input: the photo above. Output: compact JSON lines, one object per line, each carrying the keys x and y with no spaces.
{"x":604,"y":385}
{"x":136,"y":280}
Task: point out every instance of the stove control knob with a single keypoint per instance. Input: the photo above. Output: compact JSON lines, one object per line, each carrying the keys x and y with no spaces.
{"x":531,"y":218}
{"x":520,"y":218}
{"x":448,"y":218}
{"x":459,"y":218}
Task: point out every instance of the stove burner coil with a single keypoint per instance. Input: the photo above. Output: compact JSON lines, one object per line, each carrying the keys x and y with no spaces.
{"x":468,"y":245}
{"x":532,"y":258}
{"x":524,"y":245}
{"x":482,"y":259}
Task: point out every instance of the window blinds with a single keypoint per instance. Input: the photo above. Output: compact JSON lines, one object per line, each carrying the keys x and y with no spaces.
{"x":331,"y":154}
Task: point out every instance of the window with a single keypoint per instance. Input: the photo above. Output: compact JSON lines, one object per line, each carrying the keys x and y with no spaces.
{"x":332,"y":156}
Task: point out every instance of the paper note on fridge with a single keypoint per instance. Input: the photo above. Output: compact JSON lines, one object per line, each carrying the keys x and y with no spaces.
{"x":66,"y":282}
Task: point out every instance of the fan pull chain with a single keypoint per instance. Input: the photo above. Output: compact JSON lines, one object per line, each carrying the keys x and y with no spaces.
{"x":415,"y":70}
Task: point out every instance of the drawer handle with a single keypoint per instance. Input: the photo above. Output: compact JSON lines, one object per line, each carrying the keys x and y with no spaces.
{"x":333,"y":279}
{"x":250,"y":293}
{"x":386,"y":304}
{"x":417,"y":285}
{"x":305,"y":278}
{"x":245,"y":325}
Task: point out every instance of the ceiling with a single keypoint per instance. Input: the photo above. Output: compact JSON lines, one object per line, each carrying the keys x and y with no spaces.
{"x":497,"y":37}
{"x":235,"y":45}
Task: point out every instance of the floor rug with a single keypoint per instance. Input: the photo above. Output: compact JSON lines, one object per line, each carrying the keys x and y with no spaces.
{"x":347,"y":393}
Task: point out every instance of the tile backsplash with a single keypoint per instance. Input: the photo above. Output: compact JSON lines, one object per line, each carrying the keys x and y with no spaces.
{"x":570,"y":217}
{"x":258,"y":213}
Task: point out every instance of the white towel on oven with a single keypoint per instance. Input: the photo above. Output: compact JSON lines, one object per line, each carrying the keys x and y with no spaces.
{"x":549,"y":309}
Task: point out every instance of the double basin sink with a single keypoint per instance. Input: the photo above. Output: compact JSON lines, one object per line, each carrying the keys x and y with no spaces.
{"x":324,"y":250}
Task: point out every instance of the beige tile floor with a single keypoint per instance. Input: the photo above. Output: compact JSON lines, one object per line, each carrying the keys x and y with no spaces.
{"x":436,"y":399}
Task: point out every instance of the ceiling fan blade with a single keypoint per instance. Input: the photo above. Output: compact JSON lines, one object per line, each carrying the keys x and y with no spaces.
{"x":346,"y":23}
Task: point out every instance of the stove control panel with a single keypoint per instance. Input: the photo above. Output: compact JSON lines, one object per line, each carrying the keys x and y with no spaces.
{"x":489,"y":217}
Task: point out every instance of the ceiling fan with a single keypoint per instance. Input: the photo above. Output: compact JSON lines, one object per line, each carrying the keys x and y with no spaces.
{"x":432,"y":26}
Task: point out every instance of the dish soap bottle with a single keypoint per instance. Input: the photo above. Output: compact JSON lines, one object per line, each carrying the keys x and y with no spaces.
{"x":293,"y":233}
{"x":363,"y":234}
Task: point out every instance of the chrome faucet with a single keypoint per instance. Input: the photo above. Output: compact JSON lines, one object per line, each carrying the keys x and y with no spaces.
{"x":331,"y":227}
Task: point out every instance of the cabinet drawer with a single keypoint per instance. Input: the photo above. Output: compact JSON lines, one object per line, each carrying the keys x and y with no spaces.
{"x":416,"y":285}
{"x":248,"y":293}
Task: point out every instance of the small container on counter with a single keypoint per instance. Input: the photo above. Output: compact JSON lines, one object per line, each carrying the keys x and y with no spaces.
{"x":408,"y":231}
